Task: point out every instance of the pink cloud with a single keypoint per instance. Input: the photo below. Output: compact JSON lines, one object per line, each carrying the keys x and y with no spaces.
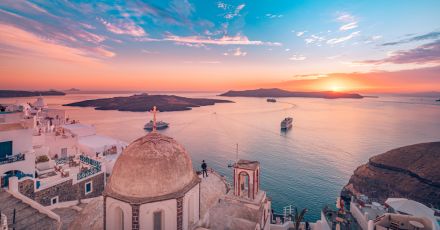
{"x":225,"y":40}
{"x":127,"y":27}
{"x":21,"y":43}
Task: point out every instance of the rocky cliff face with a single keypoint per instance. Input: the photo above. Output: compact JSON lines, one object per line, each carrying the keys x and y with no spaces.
{"x":411,"y":172}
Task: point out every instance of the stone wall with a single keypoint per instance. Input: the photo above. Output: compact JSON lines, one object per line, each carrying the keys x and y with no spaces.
{"x":66,"y":191}
{"x":135,"y":216}
{"x":179,"y":213}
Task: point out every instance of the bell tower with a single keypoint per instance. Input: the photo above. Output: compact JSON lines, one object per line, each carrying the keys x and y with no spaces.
{"x":246,"y":179}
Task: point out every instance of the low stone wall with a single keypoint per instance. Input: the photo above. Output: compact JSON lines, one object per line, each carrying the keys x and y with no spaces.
{"x":66,"y":191}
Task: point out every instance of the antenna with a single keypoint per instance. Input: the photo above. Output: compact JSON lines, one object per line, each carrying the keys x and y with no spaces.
{"x":236,"y":154}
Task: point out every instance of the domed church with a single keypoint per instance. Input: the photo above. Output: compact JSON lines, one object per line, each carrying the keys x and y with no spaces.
{"x":153,"y":186}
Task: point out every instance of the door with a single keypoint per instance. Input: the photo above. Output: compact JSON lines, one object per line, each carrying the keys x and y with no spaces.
{"x":5,"y":149}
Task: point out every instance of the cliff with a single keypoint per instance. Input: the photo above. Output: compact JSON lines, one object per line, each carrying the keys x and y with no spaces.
{"x":284,"y":93}
{"x":145,"y":102}
{"x":20,"y":93}
{"x":411,"y":172}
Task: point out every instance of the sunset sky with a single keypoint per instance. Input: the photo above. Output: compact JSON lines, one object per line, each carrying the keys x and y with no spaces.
{"x":365,"y":46}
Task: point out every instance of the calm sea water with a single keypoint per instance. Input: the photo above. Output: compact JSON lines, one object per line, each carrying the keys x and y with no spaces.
{"x":306,"y":166}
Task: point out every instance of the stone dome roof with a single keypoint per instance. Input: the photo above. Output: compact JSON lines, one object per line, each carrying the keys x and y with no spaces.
{"x":152,"y":166}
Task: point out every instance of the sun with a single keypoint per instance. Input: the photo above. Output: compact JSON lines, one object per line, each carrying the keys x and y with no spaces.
{"x":336,"y":87}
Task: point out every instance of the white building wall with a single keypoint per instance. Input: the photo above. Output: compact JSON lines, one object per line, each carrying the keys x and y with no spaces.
{"x":192,"y":197}
{"x":111,"y":205}
{"x":21,"y":139}
{"x":21,"y":143}
{"x":13,"y":117}
{"x":27,"y":166}
{"x":169,"y":215}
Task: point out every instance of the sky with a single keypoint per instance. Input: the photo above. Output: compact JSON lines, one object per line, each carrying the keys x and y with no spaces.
{"x":364,"y":46}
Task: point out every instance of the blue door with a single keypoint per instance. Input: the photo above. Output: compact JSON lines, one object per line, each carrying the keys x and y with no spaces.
{"x":5,"y":149}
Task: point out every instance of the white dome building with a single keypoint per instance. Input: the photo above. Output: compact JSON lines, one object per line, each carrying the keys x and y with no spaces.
{"x":153,"y":186}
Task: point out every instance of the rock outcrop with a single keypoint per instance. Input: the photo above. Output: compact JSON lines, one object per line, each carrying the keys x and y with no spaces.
{"x":411,"y":172}
{"x":21,"y":93}
{"x":284,"y":93}
{"x":145,"y":102}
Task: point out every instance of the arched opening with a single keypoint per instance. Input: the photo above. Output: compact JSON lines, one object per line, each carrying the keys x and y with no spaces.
{"x":12,"y":173}
{"x":158,"y":220}
{"x":243,"y":181}
{"x":118,"y":218}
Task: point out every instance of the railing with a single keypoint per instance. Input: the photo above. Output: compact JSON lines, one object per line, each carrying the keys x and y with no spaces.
{"x":88,"y":172}
{"x":12,"y":159}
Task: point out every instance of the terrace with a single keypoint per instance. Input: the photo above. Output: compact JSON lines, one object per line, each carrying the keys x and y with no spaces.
{"x":76,"y":168}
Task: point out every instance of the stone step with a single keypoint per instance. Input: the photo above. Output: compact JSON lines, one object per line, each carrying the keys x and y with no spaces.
{"x":26,"y":217}
{"x":30,"y":221}
{"x":45,"y":224}
{"x":4,"y":195}
{"x":25,"y":213}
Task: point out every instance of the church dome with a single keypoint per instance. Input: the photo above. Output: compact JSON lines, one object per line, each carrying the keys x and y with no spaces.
{"x":152,"y":166}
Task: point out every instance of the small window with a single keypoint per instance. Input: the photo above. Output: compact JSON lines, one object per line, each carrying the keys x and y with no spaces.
{"x":157,"y":220}
{"x":88,"y":188}
{"x":54,"y":200}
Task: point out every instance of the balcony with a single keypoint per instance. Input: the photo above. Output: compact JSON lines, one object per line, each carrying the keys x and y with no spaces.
{"x":12,"y":159}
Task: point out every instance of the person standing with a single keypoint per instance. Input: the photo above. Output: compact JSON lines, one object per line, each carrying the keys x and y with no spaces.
{"x":204,"y":169}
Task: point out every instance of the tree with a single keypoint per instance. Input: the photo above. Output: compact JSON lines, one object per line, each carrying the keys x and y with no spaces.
{"x":299,"y":217}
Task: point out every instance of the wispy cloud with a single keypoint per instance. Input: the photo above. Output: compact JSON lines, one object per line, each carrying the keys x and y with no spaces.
{"x":348,"y":26}
{"x":225,"y":40}
{"x":345,"y":17}
{"x":334,"y":41}
{"x":145,"y":51}
{"x":235,"y":52}
{"x":428,"y":36}
{"x":424,"y":54}
{"x":222,"y":5}
{"x":21,"y":43}
{"x":124,"y":27}
{"x":314,"y":39}
{"x":300,"y":33}
{"x":274,"y":15}
{"x":297,"y":57}
{"x":236,"y":12}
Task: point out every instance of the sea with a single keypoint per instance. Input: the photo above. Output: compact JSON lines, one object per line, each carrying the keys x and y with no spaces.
{"x":306,"y":166}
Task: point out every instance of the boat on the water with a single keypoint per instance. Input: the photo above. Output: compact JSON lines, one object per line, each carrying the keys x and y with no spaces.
{"x":437,"y":100}
{"x":271,"y":100}
{"x":159,"y":125}
{"x":286,"y":123}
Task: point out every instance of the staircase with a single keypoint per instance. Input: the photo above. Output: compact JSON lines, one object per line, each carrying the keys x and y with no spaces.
{"x":26,"y":217}
{"x":394,"y":225}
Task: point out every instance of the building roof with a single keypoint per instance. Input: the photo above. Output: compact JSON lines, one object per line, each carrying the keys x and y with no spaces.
{"x":98,"y":143}
{"x":11,"y":126}
{"x":246,"y":164}
{"x":80,"y":130}
{"x":152,"y":167}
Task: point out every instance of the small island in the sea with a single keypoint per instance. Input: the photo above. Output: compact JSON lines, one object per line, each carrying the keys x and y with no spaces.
{"x":21,"y":93}
{"x":73,"y":90}
{"x":410,"y":171}
{"x":145,"y":102}
{"x":275,"y":92}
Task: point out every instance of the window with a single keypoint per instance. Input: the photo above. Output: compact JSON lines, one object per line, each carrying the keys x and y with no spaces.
{"x":63,"y":152}
{"x":88,"y":187}
{"x":5,"y":149}
{"x":54,"y":200}
{"x":157,"y":220}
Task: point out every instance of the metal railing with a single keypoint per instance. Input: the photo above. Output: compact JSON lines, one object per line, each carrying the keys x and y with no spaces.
{"x":89,"y":172}
{"x":12,"y":159}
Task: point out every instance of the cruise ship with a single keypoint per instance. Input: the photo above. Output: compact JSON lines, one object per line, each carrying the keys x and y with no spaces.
{"x":286,"y":123}
{"x":159,"y":125}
